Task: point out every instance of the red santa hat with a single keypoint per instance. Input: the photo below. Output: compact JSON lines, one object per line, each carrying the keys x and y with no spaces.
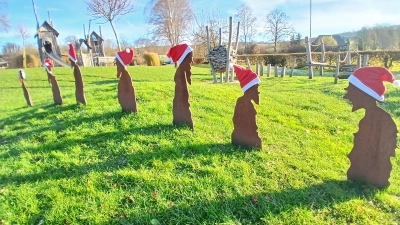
{"x":179,"y":52}
{"x":72,"y":53}
{"x":125,"y":57}
{"x":370,"y":80}
{"x":48,"y":65}
{"x":247,"y":78}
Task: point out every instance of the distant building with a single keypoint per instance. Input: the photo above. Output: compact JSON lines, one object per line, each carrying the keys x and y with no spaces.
{"x":339,"y":40}
{"x":3,"y":63}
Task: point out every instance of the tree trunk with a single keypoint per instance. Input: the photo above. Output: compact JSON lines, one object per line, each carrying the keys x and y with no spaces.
{"x":116,"y":36}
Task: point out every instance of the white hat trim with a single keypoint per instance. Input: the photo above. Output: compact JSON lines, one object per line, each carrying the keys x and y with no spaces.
{"x":71,"y":58}
{"x":183,"y":56}
{"x":356,"y":82}
{"x":251,"y":84}
{"x":119,"y":59}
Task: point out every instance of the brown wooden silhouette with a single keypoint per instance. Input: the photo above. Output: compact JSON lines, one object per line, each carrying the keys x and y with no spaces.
{"x":26,"y":93}
{"x":374,"y":143}
{"x":181,"y":106}
{"x":244,"y":119}
{"x":79,"y":91}
{"x":126,"y":91}
{"x":55,"y":89}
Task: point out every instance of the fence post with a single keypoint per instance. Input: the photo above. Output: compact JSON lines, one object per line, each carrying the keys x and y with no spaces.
{"x":228,"y":55}
{"x":268,"y":70}
{"x":309,"y":58}
{"x":283,"y":72}
{"x":208,"y":50}
{"x":348,"y":59}
{"x":248,"y":63}
{"x":359,"y":61}
{"x":321,"y":68}
{"x":262,"y":69}
{"x":276,"y":71}
{"x":337,"y":69}
{"x":257,"y":72}
{"x":365,"y":60}
{"x":293,"y":63}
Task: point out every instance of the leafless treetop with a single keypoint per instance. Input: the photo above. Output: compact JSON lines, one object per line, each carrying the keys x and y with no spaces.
{"x":109,"y":9}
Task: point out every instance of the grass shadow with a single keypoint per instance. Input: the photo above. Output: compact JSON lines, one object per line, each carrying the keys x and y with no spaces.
{"x":251,"y":209}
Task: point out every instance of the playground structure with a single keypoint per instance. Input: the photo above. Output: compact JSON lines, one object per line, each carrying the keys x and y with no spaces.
{"x":230,"y":54}
{"x":341,"y":64}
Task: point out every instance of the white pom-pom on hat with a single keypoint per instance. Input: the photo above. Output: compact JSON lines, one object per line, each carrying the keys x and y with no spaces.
{"x":128,"y":50}
{"x":46,"y":64}
{"x":396,"y":83}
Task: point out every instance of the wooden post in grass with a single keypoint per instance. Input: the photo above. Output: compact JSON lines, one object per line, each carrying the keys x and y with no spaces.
{"x":359,"y":61}
{"x":309,"y":58}
{"x":208,"y":50}
{"x":228,"y":55}
{"x":248,"y":63}
{"x":293,"y":64}
{"x":261,"y":69}
{"x":348,"y":59}
{"x":220,"y":43}
{"x":276,"y":71}
{"x":337,"y":69}
{"x":268,"y":70}
{"x":321,"y":68}
{"x":283,"y":71}
{"x":365,"y":60}
{"x":257,"y":72}
{"x":236,"y":48}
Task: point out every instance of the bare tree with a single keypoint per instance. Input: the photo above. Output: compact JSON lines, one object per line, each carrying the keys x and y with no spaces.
{"x":109,"y":10}
{"x":124,"y":42}
{"x":143,"y":42}
{"x":278,"y":27}
{"x":22,"y":32}
{"x":70,"y":39}
{"x":247,"y":23}
{"x":10,"y":49}
{"x":4,"y":23}
{"x":170,"y":19}
{"x":214,"y":22}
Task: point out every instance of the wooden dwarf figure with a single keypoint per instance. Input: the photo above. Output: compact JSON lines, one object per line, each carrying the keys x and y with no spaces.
{"x":244,"y":118}
{"x":48,"y":65}
{"x":79,"y":92}
{"x":22,"y":76}
{"x":375,"y":142}
{"x":126,"y":91}
{"x":183,"y":55}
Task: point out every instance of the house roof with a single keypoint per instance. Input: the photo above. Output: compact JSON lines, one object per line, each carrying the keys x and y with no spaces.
{"x":46,"y":27}
{"x":339,"y":40}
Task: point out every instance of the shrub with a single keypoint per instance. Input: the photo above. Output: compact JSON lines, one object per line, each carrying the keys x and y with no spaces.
{"x":151,"y":59}
{"x":198,"y":60}
{"x":31,"y":61}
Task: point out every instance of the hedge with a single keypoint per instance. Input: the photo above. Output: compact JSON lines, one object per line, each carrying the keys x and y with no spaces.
{"x":376,"y":58}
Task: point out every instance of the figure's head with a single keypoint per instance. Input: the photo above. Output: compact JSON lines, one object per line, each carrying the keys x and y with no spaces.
{"x":358,"y":98}
{"x":247,"y":78}
{"x":72,"y":53}
{"x":179,"y":52}
{"x":124,"y":57}
{"x":370,"y":81}
{"x":254,"y":94}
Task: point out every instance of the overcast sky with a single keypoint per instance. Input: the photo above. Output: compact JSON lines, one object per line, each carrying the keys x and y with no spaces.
{"x":327,"y":16}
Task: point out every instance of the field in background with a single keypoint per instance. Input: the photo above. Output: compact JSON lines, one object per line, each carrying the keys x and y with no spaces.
{"x":75,"y":164}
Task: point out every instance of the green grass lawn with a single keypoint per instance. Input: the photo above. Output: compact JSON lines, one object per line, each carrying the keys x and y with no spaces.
{"x":74,"y":164}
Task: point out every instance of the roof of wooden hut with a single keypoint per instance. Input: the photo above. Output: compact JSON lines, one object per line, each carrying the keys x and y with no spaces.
{"x":46,"y":27}
{"x":99,"y":38}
